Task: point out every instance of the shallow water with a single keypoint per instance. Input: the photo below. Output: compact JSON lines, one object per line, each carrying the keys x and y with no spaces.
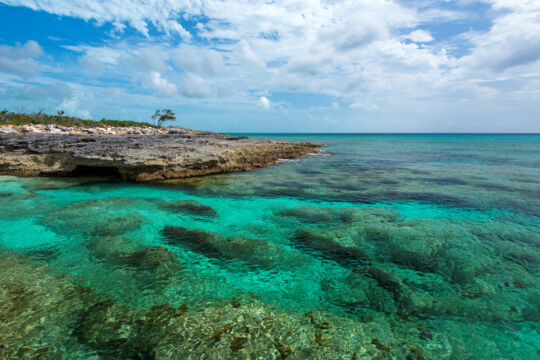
{"x":388,"y":246}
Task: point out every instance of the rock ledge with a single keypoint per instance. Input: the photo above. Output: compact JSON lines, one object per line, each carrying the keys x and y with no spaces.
{"x":171,"y":154}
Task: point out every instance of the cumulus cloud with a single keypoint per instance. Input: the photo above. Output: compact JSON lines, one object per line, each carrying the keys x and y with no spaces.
{"x":162,"y":87}
{"x":364,"y":105}
{"x":41,"y":92}
{"x":264,"y":102}
{"x":246,"y":56}
{"x":71,"y":106}
{"x":352,"y":32}
{"x":522,"y":5}
{"x":194,"y":86}
{"x":142,"y":57}
{"x":91,"y":64}
{"x":106,"y":55}
{"x":29,"y":50}
{"x":137,"y":13}
{"x":512,"y":40}
{"x":199,"y":60}
{"x":149,"y":60}
{"x":419,"y":36}
{"x":20,"y":59}
{"x":345,"y":50}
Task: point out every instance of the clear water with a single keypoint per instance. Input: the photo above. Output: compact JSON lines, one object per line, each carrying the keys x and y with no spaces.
{"x":410,"y":246}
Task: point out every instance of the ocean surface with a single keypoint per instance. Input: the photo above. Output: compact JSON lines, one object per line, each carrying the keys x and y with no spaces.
{"x":381,"y":246}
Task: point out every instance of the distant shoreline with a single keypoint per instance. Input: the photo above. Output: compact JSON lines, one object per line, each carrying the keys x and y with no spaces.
{"x":96,"y":130}
{"x":368,"y":133}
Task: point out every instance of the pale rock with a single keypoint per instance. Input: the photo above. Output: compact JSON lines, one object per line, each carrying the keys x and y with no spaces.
{"x":7,"y":130}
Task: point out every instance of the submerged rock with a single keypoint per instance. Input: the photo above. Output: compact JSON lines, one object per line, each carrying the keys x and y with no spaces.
{"x":119,"y":225}
{"x":311,"y":214}
{"x":424,"y":267}
{"x":156,"y":259}
{"x":44,"y":315}
{"x":528,"y":261}
{"x":112,"y":248}
{"x":118,"y":331}
{"x":329,"y":248}
{"x":199,"y":241}
{"x":119,"y":251}
{"x":379,"y":289}
{"x":21,"y":205}
{"x":47,"y":253}
{"x":37,"y":310}
{"x":253,"y":251}
{"x":190,"y":207}
{"x":43,"y":184}
{"x":102,"y":217}
{"x":6,"y":194}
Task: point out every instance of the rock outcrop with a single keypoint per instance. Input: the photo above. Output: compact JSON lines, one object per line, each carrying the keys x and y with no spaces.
{"x":139,"y":157}
{"x":98,"y":130}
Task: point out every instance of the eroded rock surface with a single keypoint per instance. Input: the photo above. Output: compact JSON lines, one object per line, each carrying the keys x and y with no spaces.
{"x":139,"y":157}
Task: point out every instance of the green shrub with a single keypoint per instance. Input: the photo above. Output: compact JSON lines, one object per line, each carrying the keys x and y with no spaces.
{"x":13,"y":118}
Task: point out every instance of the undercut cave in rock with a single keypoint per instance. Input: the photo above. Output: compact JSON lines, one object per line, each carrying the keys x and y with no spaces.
{"x":101,"y":171}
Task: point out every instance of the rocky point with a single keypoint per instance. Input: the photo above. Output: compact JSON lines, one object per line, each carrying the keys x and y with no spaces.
{"x":135,"y":153}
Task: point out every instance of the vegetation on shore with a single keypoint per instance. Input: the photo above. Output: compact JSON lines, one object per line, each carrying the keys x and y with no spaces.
{"x":14,"y":118}
{"x":162,"y":116}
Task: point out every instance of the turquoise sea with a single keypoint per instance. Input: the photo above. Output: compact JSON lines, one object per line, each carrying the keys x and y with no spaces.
{"x":380,"y":247}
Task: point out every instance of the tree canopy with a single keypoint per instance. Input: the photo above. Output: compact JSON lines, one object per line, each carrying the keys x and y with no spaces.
{"x":162,"y":116}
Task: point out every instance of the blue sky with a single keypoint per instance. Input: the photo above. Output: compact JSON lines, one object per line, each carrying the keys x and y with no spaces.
{"x":278,"y":66}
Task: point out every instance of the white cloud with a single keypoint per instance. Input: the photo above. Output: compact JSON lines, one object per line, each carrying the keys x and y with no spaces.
{"x":264,"y":102}
{"x":20,"y":59}
{"x":107,"y":55}
{"x":194,"y":86}
{"x":382,"y":50}
{"x":419,"y":36}
{"x":40,"y":92}
{"x":512,"y":41}
{"x":364,"y":105}
{"x":29,"y":50}
{"x":246,"y":56}
{"x":149,"y":60}
{"x":123,"y":57}
{"x":162,"y":87}
{"x":91,"y":64}
{"x":71,"y":107}
{"x":199,"y":60}
{"x":520,"y":5}
{"x":137,"y":13}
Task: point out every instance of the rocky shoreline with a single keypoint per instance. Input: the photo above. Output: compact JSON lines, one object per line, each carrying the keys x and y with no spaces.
{"x":133,"y":153}
{"x":109,"y":130}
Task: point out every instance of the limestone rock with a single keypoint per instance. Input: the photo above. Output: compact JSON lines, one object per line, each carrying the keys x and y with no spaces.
{"x":139,"y":157}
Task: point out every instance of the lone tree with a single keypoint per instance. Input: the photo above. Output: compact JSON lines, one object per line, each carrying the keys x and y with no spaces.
{"x":161,"y":116}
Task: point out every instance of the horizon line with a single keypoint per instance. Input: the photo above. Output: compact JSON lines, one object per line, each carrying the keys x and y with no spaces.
{"x":388,"y":133}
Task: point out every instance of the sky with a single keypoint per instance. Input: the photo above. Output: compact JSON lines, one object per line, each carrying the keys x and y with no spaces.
{"x":278,"y":66}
